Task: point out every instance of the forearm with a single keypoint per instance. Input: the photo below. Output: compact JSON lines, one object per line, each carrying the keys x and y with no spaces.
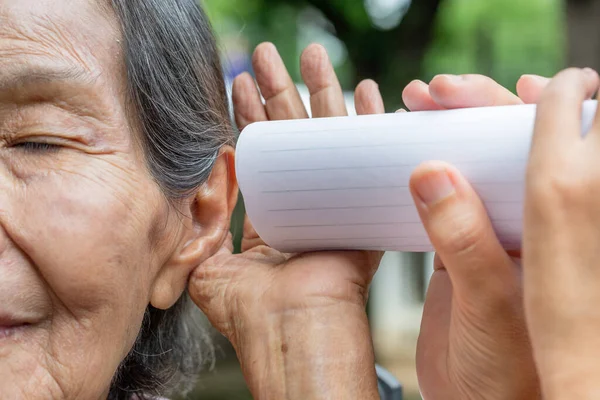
{"x":314,"y":354}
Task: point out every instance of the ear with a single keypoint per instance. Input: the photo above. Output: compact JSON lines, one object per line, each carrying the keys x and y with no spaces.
{"x":210,"y":210}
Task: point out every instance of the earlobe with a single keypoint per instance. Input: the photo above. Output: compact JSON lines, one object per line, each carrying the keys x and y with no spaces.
{"x":210,"y":210}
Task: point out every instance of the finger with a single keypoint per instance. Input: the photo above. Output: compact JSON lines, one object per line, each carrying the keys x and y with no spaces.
{"x":250,"y":238}
{"x":279,"y":91}
{"x":461,"y":232}
{"x":326,"y":95}
{"x":464,"y":91}
{"x":228,"y":244}
{"x":530,"y":88}
{"x":558,"y":120}
{"x":367,"y":98}
{"x":247,"y":104}
{"x":208,"y":288}
{"x":416,"y":97}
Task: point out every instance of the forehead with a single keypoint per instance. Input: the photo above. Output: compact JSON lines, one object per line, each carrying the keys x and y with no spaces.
{"x":77,"y":35}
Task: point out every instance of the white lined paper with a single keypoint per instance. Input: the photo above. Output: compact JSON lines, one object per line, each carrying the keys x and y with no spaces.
{"x":342,"y":183}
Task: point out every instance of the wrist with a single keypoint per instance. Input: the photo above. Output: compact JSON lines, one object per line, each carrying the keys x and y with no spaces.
{"x":320,"y":353}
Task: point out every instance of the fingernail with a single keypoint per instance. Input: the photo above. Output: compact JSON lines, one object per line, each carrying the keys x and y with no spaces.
{"x":402,"y":110}
{"x":434,"y":187}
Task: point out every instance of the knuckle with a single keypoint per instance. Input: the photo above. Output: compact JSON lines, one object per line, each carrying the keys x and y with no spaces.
{"x":461,"y":233}
{"x":562,"y":188}
{"x":569,"y":72}
{"x":568,"y":75}
{"x":556,"y":92}
{"x":564,"y":87}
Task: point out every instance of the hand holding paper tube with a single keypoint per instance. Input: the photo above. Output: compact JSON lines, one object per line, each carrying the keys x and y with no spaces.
{"x":342,"y":183}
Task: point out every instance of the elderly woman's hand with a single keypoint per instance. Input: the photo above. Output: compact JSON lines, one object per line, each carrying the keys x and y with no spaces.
{"x":473,"y":342}
{"x":561,"y":245}
{"x":298,"y":323}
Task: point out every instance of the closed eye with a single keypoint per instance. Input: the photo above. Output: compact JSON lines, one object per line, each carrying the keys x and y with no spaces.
{"x":37,"y":147}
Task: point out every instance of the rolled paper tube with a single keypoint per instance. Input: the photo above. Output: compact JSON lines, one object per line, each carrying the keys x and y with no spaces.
{"x":343,"y":183}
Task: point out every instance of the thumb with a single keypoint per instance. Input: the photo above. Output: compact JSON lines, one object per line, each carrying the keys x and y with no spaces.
{"x":209,"y":288}
{"x":250,"y":238}
{"x":462,"y":234}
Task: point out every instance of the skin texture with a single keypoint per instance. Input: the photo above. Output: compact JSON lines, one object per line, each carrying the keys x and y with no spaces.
{"x":87,"y":240}
{"x":561,"y":235}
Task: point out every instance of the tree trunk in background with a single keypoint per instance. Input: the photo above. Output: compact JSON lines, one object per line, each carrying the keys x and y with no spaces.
{"x":583,"y":19}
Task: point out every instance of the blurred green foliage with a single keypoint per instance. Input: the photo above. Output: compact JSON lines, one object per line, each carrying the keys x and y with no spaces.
{"x":500,"y":38}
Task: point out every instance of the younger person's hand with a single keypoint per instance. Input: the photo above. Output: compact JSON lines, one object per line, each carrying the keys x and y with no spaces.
{"x":561,"y":248}
{"x":473,"y":342}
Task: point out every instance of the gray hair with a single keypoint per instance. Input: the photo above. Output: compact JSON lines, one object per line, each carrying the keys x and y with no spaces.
{"x":180,"y":106}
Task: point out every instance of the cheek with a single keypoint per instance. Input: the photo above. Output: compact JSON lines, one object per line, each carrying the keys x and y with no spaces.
{"x":87,"y":233}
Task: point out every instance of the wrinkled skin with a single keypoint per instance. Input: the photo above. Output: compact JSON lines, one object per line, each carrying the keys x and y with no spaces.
{"x":87,"y":240}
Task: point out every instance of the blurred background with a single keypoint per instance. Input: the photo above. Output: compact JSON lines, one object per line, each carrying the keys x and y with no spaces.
{"x":394,"y":42}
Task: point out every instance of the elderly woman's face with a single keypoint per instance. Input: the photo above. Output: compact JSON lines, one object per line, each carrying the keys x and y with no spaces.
{"x":85,"y":233}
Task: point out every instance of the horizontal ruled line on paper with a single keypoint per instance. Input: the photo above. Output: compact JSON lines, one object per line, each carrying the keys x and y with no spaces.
{"x":381,"y":238}
{"x":397,"y":223}
{"x":328,"y":247}
{"x":405,"y":145}
{"x":412,"y":205}
{"x":341,"y":208}
{"x":511,"y":183}
{"x":347,"y":238}
{"x":331,"y":225}
{"x":313,"y":132}
{"x":409,"y":121}
{"x":336,"y":189}
{"x":364,"y":167}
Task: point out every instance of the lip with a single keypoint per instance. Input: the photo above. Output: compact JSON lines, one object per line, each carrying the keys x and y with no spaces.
{"x":10,"y":332}
{"x":10,"y":326}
